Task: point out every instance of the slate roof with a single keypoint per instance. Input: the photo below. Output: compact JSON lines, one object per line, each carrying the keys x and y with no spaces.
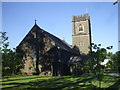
{"x":75,"y":60}
{"x":61,"y":43}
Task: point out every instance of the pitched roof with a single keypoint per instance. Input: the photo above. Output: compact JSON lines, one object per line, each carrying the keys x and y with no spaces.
{"x":60,"y":43}
{"x":75,"y":60}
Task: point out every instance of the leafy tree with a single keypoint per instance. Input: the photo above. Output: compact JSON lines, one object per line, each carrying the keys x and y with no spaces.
{"x":97,"y":56}
{"x":114,"y":62}
{"x":3,"y":39}
{"x":116,"y":2}
{"x":10,"y":59}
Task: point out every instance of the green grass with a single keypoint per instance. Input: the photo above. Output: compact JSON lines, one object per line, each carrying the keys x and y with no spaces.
{"x":59,"y":82}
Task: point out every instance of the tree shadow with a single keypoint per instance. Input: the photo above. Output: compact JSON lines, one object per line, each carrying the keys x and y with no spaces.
{"x":116,"y":85}
{"x":19,"y":85}
{"x":20,"y":79}
{"x":57,"y":83}
{"x":62,"y":83}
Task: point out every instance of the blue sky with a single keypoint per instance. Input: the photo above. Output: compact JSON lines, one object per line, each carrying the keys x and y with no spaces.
{"x":119,"y":26}
{"x":18,"y":18}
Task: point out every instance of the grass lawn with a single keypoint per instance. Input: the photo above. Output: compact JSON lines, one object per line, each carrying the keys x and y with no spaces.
{"x":58,"y":82}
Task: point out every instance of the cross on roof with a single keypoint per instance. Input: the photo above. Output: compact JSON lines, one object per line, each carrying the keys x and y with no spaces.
{"x":35,"y":21}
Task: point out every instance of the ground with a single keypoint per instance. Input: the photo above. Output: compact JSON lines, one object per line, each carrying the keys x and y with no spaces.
{"x":59,"y":82}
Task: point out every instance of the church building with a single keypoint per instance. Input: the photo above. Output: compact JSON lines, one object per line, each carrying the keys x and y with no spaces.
{"x":81,"y":33}
{"x":46,"y":54}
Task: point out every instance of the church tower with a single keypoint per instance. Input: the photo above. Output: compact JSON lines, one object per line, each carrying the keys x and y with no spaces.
{"x":81,"y":33}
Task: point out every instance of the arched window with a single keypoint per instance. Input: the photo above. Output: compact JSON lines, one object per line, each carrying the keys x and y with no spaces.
{"x":34,"y":35}
{"x":81,"y":27}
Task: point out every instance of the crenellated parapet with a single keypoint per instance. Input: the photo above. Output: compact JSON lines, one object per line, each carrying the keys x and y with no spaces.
{"x":80,"y":18}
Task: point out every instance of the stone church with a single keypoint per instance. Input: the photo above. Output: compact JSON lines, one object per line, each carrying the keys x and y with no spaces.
{"x":46,"y":54}
{"x":81,"y":33}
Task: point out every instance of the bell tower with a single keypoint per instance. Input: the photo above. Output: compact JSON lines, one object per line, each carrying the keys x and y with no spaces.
{"x":81,"y":33}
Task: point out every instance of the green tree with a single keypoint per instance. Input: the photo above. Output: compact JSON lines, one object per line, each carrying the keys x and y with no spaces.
{"x":114,"y":62}
{"x":10,"y":59}
{"x":94,"y":64}
{"x":116,"y":2}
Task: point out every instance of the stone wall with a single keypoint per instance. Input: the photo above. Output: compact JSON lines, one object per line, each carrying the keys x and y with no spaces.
{"x":81,"y":38}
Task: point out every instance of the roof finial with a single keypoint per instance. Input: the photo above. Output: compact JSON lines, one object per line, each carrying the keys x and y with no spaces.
{"x":35,"y":21}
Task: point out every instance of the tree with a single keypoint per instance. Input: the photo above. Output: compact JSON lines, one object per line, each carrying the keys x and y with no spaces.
{"x":97,"y":56}
{"x":114,"y":62}
{"x":116,"y":2}
{"x":10,"y":59}
{"x":3,"y":39}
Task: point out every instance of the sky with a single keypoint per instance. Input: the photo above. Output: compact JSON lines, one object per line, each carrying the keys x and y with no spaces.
{"x":56,"y":18}
{"x":119,"y":26}
{"x":58,"y":0}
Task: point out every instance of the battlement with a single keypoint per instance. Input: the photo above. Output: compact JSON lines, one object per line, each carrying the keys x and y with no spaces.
{"x":80,"y":18}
